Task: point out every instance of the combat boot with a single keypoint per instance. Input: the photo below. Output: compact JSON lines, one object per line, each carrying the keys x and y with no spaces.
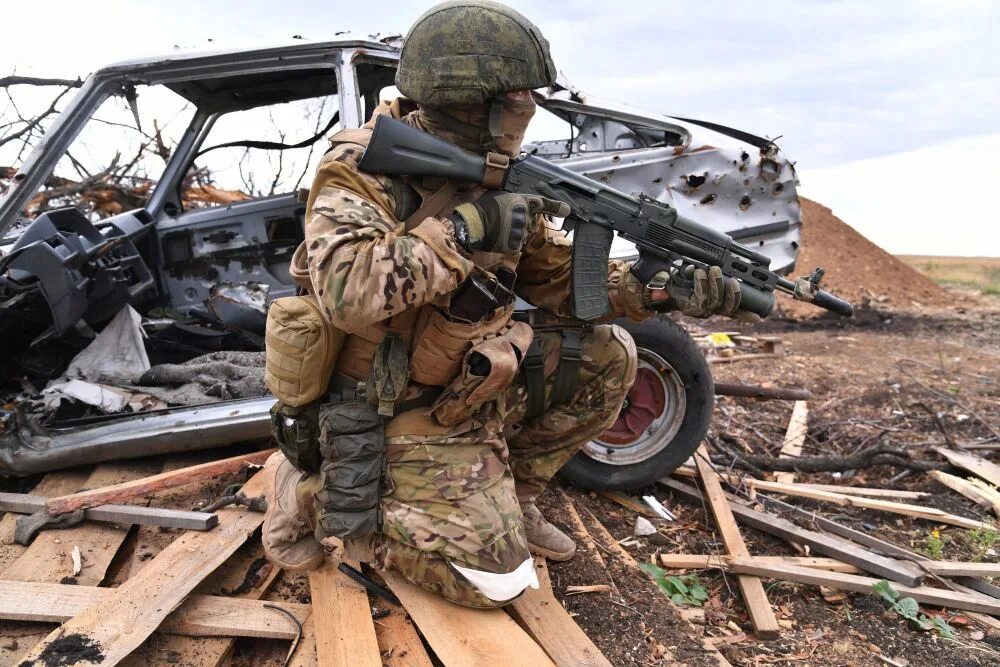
{"x":544,"y":539}
{"x":288,"y":540}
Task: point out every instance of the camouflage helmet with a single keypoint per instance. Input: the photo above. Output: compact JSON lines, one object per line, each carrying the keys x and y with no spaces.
{"x":470,"y":51}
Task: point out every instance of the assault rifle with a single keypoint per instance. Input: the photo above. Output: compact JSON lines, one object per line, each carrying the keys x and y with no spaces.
{"x":665,"y":239}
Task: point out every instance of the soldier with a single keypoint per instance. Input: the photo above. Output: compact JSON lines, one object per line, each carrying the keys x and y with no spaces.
{"x":466,"y":411}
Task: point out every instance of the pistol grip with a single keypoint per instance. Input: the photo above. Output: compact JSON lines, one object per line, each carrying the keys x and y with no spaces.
{"x":591,"y":249}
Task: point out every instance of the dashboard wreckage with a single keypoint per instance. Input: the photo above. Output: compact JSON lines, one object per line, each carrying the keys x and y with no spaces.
{"x":139,"y":333}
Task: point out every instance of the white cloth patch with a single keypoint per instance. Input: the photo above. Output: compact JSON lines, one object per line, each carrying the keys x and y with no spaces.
{"x":501,"y":587}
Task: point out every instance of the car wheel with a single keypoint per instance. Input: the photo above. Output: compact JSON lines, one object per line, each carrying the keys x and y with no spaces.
{"x":663,"y":420}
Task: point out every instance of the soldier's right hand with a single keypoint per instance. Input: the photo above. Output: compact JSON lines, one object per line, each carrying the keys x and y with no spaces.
{"x":499,"y":221}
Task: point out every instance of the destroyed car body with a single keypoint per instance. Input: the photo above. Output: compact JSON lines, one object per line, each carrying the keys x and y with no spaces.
{"x":211,"y":271}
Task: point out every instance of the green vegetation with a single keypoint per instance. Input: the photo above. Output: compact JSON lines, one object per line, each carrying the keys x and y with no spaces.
{"x":685,"y":590}
{"x":980,"y":273}
{"x":981,"y":540}
{"x":910,"y":610}
{"x":934,"y":544}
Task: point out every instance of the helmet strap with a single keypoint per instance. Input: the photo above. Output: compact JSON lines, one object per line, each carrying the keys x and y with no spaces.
{"x":495,"y":116}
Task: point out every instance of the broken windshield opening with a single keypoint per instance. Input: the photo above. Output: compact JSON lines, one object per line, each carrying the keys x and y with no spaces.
{"x":115,"y":162}
{"x":259,"y":152}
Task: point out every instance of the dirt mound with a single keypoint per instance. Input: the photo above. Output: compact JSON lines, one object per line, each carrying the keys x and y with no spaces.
{"x":857,"y":269}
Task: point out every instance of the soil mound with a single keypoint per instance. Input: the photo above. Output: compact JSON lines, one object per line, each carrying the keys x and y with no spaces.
{"x":857,"y":269}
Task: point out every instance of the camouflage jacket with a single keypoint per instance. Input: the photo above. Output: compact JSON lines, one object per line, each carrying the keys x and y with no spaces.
{"x":367,"y":272}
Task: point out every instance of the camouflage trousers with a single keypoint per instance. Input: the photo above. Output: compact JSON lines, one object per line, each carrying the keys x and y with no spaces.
{"x":455,"y":493}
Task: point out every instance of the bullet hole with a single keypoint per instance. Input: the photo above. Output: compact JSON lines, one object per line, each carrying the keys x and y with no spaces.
{"x":694,"y":181}
{"x":658,"y":180}
{"x":19,"y":177}
{"x":708,"y":199}
{"x":745,"y":202}
{"x":616,"y":158}
{"x":744,"y":156}
{"x":778,"y":188}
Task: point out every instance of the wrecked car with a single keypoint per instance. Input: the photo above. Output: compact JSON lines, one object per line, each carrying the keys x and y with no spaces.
{"x":181,"y":267}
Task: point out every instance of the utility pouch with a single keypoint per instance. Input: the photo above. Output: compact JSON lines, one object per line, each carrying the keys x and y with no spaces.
{"x":301,"y":350}
{"x":389,"y":375}
{"x":352,"y":446}
{"x":296,"y":430}
{"x":441,"y":344}
{"x":488,"y":369}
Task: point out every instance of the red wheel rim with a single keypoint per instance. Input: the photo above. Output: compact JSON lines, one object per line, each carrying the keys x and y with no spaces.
{"x":645,"y":402}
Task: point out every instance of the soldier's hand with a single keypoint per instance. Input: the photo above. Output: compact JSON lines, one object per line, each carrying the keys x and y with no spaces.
{"x":699,"y":292}
{"x":499,"y":221}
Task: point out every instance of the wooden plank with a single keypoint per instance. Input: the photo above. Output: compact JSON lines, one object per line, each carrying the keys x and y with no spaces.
{"x":543,"y":617}
{"x":125,"y":515}
{"x":945,"y":568}
{"x":122,"y":621}
{"x":628,"y":503}
{"x":795,"y":437}
{"x":464,"y":636}
{"x":754,"y":598}
{"x":147,"y":485}
{"x":905,"y":509}
{"x":345,"y":634}
{"x":399,"y":641}
{"x":860,"y":584}
{"x":977,"y":465}
{"x":708,"y":561}
{"x":199,"y":615}
{"x":164,"y":650}
{"x":894,"y":570}
{"x":986,"y":497}
{"x":48,"y":557}
{"x":866,"y":491}
{"x":53,"y":484}
{"x":305,"y":653}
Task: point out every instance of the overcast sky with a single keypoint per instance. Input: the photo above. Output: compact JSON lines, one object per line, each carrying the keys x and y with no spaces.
{"x":879,"y":104}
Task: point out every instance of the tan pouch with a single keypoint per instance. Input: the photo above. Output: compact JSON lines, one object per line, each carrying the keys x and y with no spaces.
{"x":441,"y":345}
{"x":301,"y":350}
{"x":470,"y":391}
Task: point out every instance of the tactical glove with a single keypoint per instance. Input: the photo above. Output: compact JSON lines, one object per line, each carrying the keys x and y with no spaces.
{"x":699,"y":292}
{"x":499,"y":221}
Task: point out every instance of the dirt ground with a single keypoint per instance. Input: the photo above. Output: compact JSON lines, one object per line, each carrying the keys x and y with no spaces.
{"x":911,"y":379}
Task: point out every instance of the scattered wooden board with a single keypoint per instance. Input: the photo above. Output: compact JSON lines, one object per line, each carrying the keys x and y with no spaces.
{"x":464,"y":636}
{"x":628,"y":503}
{"x":706,"y":561}
{"x":199,"y":615}
{"x":122,"y":621}
{"x":866,"y":491}
{"x":542,"y":617}
{"x":905,"y":509}
{"x":345,"y":633}
{"x":795,"y":437}
{"x":147,"y":485}
{"x":894,"y":570}
{"x":399,"y":641}
{"x":860,"y":584}
{"x":53,"y":484}
{"x":754,"y":598}
{"x":983,"y":495}
{"x":977,"y":465}
{"x":166,"y":650}
{"x":125,"y":515}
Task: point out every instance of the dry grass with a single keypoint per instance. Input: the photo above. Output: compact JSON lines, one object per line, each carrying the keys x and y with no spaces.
{"x":981,"y":273}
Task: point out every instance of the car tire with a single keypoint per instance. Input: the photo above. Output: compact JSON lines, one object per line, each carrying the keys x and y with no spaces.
{"x":664,"y":418}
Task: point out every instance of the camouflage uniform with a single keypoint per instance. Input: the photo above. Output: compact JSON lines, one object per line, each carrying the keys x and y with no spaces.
{"x":454,"y":491}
